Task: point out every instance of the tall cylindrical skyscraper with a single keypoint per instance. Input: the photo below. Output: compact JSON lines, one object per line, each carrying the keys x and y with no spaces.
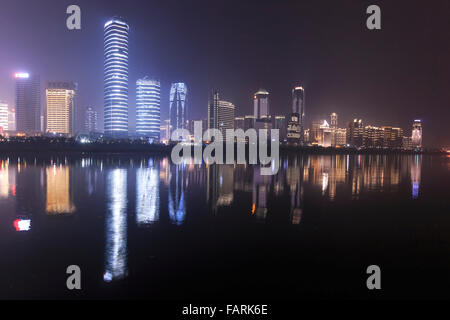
{"x":148,"y":112}
{"x":116,"y":77}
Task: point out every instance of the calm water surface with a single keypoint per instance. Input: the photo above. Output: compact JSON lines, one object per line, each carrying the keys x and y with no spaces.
{"x":141,"y":227}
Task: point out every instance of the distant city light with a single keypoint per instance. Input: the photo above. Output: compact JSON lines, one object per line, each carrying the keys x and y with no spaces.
{"x":21,"y":75}
{"x":22,"y":224}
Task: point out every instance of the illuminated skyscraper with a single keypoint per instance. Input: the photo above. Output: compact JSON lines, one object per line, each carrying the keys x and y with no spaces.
{"x":178,"y":107}
{"x":28,"y":103}
{"x":90,"y":118}
{"x":261,"y":104}
{"x":60,"y":111}
{"x":220,"y":114}
{"x":148,"y":113}
{"x":298,"y":108}
{"x":416,"y":135}
{"x":116,"y":77}
{"x":4,"y":113}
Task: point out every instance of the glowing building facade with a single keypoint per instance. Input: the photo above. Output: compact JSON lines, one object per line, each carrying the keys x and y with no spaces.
{"x":416,"y":135}
{"x":148,"y":112}
{"x":116,"y":77}
{"x":178,"y":106}
{"x":60,"y":111}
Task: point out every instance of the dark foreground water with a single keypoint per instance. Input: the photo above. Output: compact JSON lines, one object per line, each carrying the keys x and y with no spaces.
{"x":141,"y":227}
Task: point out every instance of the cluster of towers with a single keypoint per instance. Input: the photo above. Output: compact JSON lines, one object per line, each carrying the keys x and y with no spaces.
{"x":148,"y":91}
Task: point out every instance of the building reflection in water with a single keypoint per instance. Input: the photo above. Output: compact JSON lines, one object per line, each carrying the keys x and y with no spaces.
{"x":7,"y":179}
{"x":220,"y":186}
{"x":147,"y":193}
{"x":415,"y":175}
{"x":58,"y":191}
{"x":177,"y":188}
{"x":116,"y":225}
{"x":261,"y":188}
{"x":294,"y":179}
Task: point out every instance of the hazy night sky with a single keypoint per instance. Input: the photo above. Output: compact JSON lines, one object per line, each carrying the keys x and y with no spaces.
{"x":387,"y":77}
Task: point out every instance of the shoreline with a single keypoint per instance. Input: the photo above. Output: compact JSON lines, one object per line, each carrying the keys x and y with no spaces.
{"x":161,"y":149}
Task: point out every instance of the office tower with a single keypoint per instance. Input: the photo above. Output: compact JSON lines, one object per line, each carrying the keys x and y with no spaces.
{"x":261,"y":104}
{"x":116,"y":77}
{"x":334,"y":120}
{"x":298,"y":107}
{"x":60,"y":97}
{"x":355,"y":133}
{"x":220,"y":114}
{"x":148,"y":112}
{"x":90,"y":120}
{"x":4,"y":125}
{"x":392,"y":137}
{"x":12,"y":120}
{"x":178,"y":106}
{"x":373,"y":137}
{"x":340,"y":137}
{"x":280,"y":123}
{"x":416,"y":135}
{"x":28,"y":103}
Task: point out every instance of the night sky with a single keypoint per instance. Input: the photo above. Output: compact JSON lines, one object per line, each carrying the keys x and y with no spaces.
{"x":386,"y":77}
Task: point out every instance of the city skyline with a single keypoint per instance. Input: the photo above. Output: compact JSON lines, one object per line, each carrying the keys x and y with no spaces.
{"x":398,"y":110}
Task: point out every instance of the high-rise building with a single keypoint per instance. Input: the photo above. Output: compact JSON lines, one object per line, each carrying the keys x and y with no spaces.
{"x":261,"y":104}
{"x":280,"y":123}
{"x":220,"y":114}
{"x":178,"y":106}
{"x":298,"y":107}
{"x":28,"y":103}
{"x":148,"y":104}
{"x":4,"y":124}
{"x":60,"y":111}
{"x":355,"y":133}
{"x":392,"y":137}
{"x":334,"y":120}
{"x":416,"y":135}
{"x":12,"y":120}
{"x":116,"y":77}
{"x":373,"y":137}
{"x":91,"y":120}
